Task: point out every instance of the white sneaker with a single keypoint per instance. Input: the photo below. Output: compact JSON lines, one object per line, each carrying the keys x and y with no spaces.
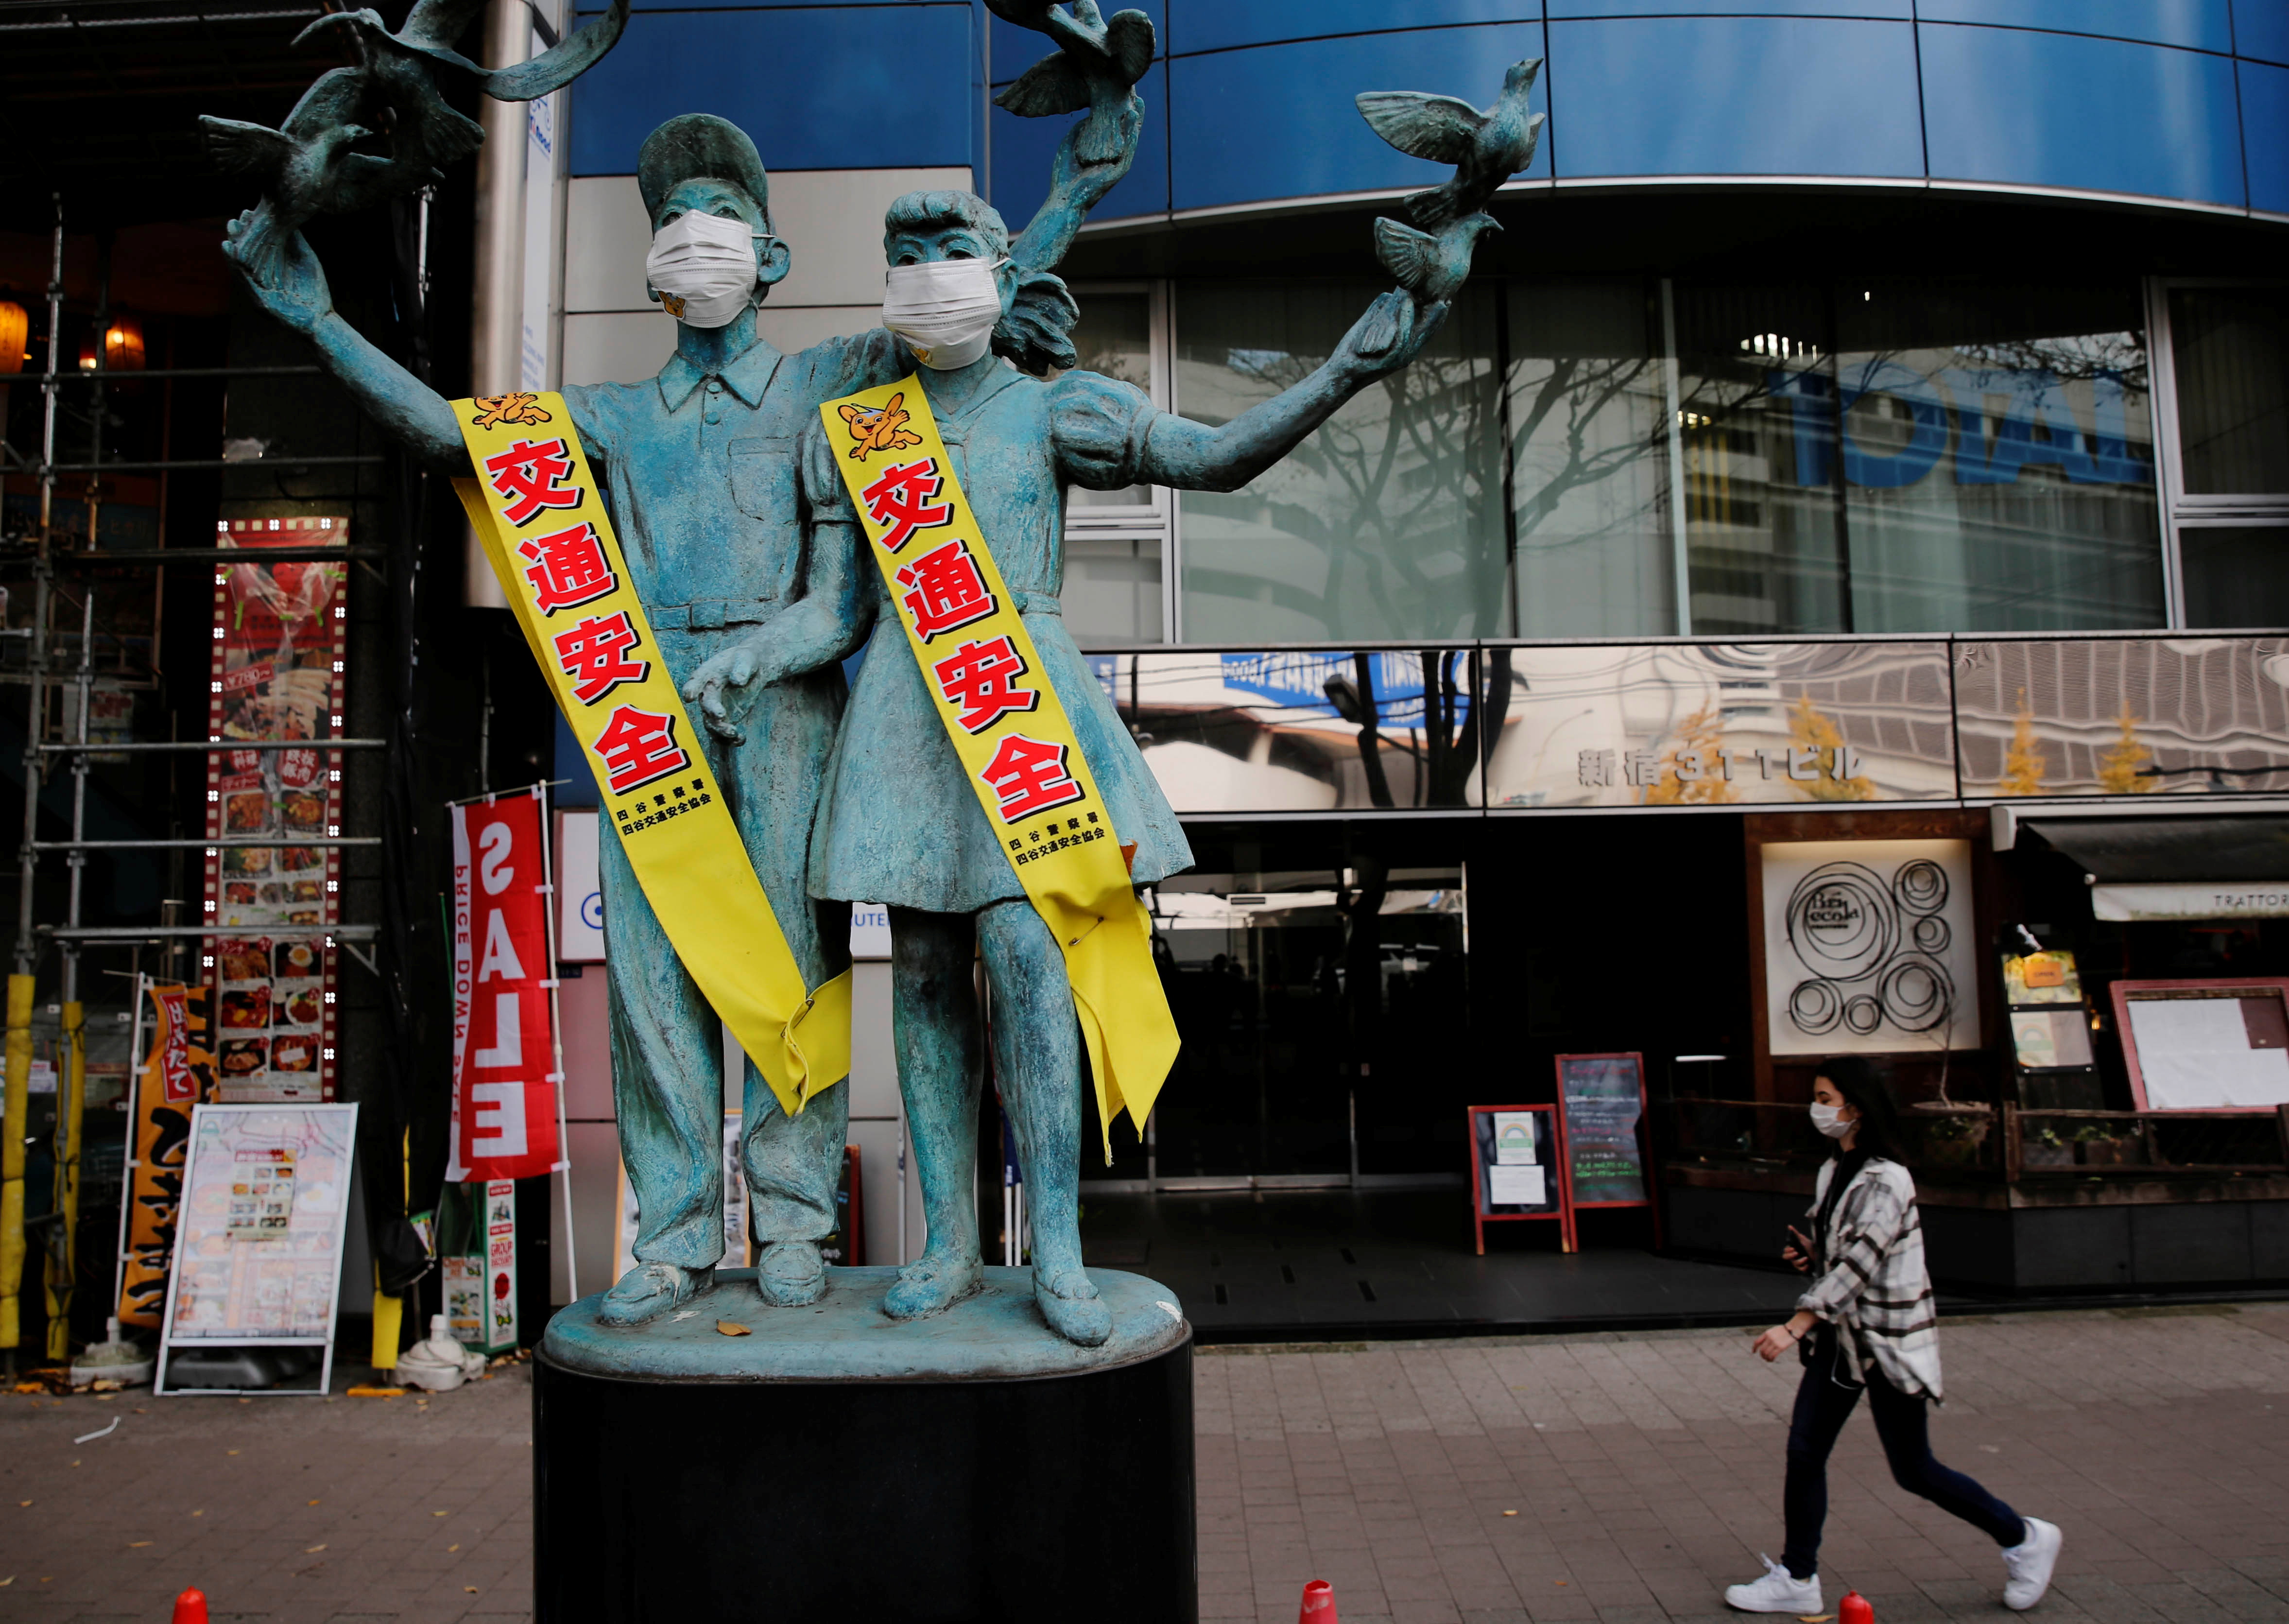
{"x":1779,"y":1591}
{"x":2030,"y":1564}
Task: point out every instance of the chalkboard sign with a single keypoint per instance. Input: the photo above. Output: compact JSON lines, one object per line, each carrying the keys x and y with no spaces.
{"x":1603,"y":1099}
{"x":1517,"y":1169}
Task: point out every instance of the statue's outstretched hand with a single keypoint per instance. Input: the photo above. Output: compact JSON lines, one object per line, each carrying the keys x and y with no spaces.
{"x":734,"y":670}
{"x":1394,"y":330}
{"x":297,"y":294}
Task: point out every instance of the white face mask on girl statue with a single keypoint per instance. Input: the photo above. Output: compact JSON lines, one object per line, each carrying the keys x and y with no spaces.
{"x":1830,"y":1120}
{"x":704,"y":268}
{"x":945,"y":310}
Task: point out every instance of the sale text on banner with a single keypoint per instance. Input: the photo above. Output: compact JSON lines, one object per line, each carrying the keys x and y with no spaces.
{"x":535,"y":504}
{"x":504,"y":1043}
{"x":1010,"y":732}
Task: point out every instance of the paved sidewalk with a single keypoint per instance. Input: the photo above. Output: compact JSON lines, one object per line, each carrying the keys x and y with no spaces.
{"x":1645,"y":1470}
{"x":1645,"y":1473}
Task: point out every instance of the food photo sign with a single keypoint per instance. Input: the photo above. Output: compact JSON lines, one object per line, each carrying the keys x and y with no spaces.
{"x":277,"y":677}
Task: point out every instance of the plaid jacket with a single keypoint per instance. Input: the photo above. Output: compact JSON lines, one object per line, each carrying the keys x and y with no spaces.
{"x":1870,"y":1281}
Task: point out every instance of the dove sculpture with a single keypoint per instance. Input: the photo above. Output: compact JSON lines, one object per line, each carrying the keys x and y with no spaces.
{"x":1431,"y":267}
{"x":1486,"y":147}
{"x":307,"y":165}
{"x":1097,"y":63}
{"x":427,"y":132}
{"x":434,"y":26}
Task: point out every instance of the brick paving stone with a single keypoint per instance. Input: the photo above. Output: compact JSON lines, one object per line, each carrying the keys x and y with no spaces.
{"x":1646,"y":1472}
{"x":1645,"y":1469}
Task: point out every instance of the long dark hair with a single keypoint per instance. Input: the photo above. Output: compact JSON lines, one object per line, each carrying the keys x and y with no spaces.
{"x":1879,"y":1125}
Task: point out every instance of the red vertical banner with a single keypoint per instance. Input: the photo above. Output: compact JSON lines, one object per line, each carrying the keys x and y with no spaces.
{"x":280,"y":631}
{"x":504,"y":1047}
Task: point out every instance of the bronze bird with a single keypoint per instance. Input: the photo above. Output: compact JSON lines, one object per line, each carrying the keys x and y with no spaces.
{"x":1098,"y":61}
{"x":1486,"y":147}
{"x":433,"y":25}
{"x":1432,"y":268}
{"x":427,"y":132}
{"x":307,"y":165}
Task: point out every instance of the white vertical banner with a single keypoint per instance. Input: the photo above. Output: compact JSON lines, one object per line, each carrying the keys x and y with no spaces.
{"x":543,"y":283}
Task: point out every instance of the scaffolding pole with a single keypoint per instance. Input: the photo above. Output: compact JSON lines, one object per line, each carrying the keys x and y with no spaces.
{"x":15,"y":1108}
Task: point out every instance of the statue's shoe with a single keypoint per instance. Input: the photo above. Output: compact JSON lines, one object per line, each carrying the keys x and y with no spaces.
{"x":791,"y":1273}
{"x":929,"y":1285}
{"x":1074,"y":1311}
{"x":651,"y":1290}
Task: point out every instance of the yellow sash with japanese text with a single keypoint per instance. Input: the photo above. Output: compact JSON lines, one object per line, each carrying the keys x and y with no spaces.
{"x":1010,"y":732}
{"x":535,"y":504}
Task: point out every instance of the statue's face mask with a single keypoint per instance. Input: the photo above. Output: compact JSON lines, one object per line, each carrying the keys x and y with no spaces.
{"x":704,"y":268}
{"x":945,"y":310}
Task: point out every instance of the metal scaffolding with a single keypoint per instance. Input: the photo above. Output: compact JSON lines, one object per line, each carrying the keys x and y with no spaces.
{"x":71,"y":937}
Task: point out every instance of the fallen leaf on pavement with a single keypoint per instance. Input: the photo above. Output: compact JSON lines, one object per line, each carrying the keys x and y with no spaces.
{"x":732,"y":1328}
{"x":312,"y":1550}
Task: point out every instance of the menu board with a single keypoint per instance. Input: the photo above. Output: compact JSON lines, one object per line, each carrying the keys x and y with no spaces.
{"x":280,"y":632}
{"x":1517,"y":1169}
{"x":1602,"y":1098}
{"x":259,"y":1236}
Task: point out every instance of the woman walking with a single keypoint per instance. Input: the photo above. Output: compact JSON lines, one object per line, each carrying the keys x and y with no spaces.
{"x":1868,"y":1321}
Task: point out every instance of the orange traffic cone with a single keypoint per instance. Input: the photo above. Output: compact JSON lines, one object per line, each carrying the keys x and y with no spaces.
{"x":1319,"y":1604}
{"x":1854,"y":1609}
{"x":191,"y":1607}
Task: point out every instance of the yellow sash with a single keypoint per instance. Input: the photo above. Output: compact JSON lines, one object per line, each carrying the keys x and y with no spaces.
{"x":1010,"y":732}
{"x":536,"y":505}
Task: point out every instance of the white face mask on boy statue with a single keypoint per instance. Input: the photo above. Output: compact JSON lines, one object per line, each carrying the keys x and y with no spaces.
{"x":704,"y":268}
{"x":945,"y":310}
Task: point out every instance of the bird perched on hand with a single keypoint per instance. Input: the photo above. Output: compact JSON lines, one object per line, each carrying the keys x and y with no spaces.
{"x":1098,"y":61}
{"x":307,"y":165}
{"x":433,"y":25}
{"x":1486,"y":147}
{"x":1432,"y":268}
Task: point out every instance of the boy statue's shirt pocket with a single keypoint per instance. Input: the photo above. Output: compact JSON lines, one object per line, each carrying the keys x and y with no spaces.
{"x":764,"y":476}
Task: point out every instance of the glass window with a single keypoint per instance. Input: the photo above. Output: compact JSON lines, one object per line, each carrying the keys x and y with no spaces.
{"x":2236,"y":575}
{"x":1589,"y":462}
{"x":1386,"y":523}
{"x":2230,"y":346}
{"x":1114,"y":337}
{"x":1112,"y":597}
{"x":1765,"y":547}
{"x":1997,"y":459}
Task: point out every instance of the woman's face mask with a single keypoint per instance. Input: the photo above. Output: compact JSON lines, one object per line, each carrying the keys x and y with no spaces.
{"x":704,"y":268}
{"x":945,"y":310}
{"x":1830,"y":1120}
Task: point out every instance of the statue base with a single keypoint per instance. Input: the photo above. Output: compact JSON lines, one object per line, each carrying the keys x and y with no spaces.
{"x":837,"y":1465}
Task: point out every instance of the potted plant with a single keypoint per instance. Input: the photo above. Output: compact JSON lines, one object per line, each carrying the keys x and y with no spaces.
{"x":1952,"y":1139}
{"x":2104,"y":1146}
{"x":2044,"y":1147}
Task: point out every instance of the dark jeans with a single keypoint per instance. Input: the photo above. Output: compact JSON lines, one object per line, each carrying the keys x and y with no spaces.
{"x":1823,"y":1403}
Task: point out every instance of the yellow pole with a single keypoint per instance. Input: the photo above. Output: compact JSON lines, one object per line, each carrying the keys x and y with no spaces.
{"x":63,"y":1259}
{"x":13,"y":1122}
{"x":389,"y":1312}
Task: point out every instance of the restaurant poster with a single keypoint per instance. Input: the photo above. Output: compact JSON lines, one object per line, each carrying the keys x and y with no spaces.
{"x":258,"y":1252}
{"x":280,"y":630}
{"x":178,"y":1074}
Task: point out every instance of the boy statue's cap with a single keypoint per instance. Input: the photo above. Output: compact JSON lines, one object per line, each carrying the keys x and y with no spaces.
{"x":696,"y":146}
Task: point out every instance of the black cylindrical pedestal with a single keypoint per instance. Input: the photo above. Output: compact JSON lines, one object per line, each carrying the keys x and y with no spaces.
{"x":965,"y":1498}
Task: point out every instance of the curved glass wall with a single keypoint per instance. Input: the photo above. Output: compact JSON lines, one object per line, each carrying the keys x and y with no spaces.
{"x":1817,"y":457}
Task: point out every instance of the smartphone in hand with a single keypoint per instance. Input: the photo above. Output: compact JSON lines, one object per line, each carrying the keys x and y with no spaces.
{"x":1798,"y":1255}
